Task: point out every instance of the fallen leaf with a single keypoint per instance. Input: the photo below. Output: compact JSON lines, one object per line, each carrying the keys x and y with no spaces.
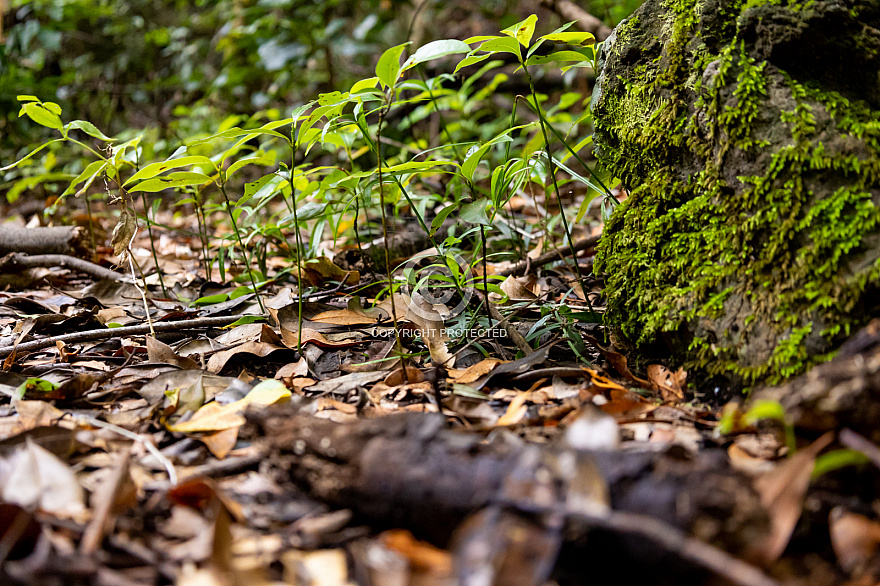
{"x":37,"y":478}
{"x":670,"y":384}
{"x":515,"y":411}
{"x":855,"y":539}
{"x":216,"y":417}
{"x":474,"y":371}
{"x":782,"y":494}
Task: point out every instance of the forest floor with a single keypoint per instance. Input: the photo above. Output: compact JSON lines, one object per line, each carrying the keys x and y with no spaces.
{"x":196,"y":435}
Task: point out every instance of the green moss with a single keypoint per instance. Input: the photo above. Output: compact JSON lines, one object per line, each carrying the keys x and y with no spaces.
{"x":764,"y":272}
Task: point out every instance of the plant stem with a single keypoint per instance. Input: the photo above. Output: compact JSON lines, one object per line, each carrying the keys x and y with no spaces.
{"x":241,"y":244}
{"x":551,"y":168}
{"x":152,"y":243}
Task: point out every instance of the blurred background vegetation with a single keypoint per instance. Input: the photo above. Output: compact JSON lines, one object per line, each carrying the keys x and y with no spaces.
{"x":179,"y":67}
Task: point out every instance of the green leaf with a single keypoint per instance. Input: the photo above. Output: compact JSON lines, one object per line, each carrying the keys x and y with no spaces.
{"x":469,"y":392}
{"x":30,"y":154}
{"x":470,"y":60}
{"x":89,"y":174}
{"x":179,"y":179}
{"x":835,"y":459}
{"x":501,"y":45}
{"x":764,"y":409}
{"x":308,"y":211}
{"x":34,"y":385}
{"x":27,"y":98}
{"x":211,"y":299}
{"x":523,"y":31}
{"x":88,"y":128}
{"x":236,"y":132}
{"x":262,"y":159}
{"x":580,"y":39}
{"x":154,"y":169}
{"x":258,"y":186}
{"x":475,"y":212}
{"x":556,"y":57}
{"x":388,"y":67}
{"x":479,"y":39}
{"x":41,"y":115}
{"x":440,"y":218}
{"x":364,"y":84}
{"x":435,"y":50}
{"x":245,"y":319}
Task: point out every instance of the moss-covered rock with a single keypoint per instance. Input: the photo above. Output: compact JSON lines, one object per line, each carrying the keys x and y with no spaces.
{"x":748,"y":134}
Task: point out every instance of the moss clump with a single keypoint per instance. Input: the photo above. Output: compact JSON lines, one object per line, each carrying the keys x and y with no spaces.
{"x":750,"y":242}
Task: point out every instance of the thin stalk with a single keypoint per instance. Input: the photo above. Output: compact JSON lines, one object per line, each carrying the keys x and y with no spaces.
{"x":398,"y":343}
{"x":485,"y":277}
{"x":241,"y":245}
{"x":203,"y":233}
{"x":91,"y":231}
{"x":297,"y":238}
{"x":153,"y":244}
{"x":552,"y":170}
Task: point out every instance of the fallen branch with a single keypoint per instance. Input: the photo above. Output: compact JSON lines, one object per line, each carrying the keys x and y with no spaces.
{"x":586,"y":21}
{"x":103,"y":334}
{"x":56,"y":240}
{"x":548,"y":257}
{"x":409,"y":470}
{"x":17,"y":261}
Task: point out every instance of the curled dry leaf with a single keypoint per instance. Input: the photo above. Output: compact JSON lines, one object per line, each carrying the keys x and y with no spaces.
{"x":782,"y":494}
{"x":670,"y":384}
{"x":855,"y":539}
{"x":124,"y":231}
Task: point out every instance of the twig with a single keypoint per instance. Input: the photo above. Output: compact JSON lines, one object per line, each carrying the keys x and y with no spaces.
{"x":95,"y":422}
{"x":733,"y":569}
{"x":107,"y":495}
{"x":102,"y":334}
{"x":18,"y":260}
{"x":504,"y":322}
{"x":586,"y":21}
{"x":547,"y":257}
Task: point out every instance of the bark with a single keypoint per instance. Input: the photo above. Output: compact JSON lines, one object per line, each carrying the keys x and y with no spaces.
{"x":410,"y":471}
{"x":70,"y":240}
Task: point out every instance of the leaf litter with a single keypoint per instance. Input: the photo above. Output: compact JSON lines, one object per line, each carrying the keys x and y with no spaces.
{"x":148,"y":460}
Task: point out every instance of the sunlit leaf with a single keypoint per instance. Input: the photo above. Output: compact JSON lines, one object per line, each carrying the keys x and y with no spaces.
{"x":154,"y":169}
{"x":42,"y":115}
{"x":179,"y":179}
{"x":435,"y":50}
{"x":523,"y":31}
{"x":88,"y":128}
{"x":577,"y":38}
{"x":388,"y":67}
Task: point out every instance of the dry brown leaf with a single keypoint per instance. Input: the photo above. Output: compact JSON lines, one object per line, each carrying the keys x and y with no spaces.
{"x":293,"y":369}
{"x":422,"y":556}
{"x":221,"y":442}
{"x":320,"y":270}
{"x":399,"y":377}
{"x":474,"y":371}
{"x":516,"y":290}
{"x":343,"y":317}
{"x":515,"y":411}
{"x":670,"y":384}
{"x":855,"y":539}
{"x":310,"y":336}
{"x":782,"y":494}
{"x":124,"y":232}
{"x":262,"y":349}
{"x":217,"y":417}
{"x":160,"y":352}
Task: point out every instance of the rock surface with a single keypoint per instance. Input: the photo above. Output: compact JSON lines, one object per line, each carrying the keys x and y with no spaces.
{"x":748,"y":135}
